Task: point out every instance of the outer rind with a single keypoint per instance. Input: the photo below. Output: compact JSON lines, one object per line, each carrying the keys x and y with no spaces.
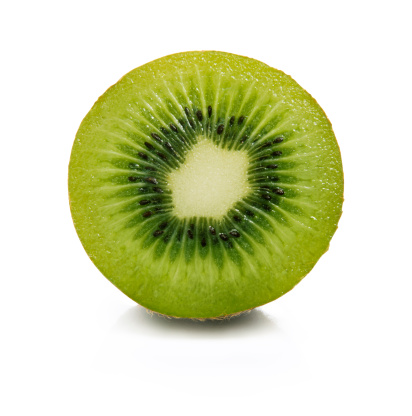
{"x":107,"y":256}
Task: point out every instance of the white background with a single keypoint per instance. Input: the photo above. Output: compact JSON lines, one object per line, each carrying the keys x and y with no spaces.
{"x":340,"y":343}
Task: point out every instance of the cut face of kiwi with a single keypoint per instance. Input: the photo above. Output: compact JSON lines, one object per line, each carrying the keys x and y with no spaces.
{"x":203,"y":184}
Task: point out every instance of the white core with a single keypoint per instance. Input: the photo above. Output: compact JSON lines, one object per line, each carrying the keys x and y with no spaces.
{"x":210,"y":181}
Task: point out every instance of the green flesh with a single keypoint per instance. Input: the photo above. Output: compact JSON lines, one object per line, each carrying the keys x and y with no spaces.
{"x":177,"y":266}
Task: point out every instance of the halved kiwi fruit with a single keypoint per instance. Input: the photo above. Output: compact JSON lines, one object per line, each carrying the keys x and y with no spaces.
{"x":203,"y":184}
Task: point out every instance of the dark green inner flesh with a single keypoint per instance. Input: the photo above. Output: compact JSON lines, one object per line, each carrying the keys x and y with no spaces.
{"x":165,"y":149}
{"x":142,"y":129}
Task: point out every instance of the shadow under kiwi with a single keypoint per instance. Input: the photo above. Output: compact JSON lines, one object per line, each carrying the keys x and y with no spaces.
{"x":139,"y":320}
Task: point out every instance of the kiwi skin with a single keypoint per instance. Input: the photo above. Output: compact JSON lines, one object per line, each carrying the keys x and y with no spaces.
{"x":216,"y":318}
{"x":76,"y":169}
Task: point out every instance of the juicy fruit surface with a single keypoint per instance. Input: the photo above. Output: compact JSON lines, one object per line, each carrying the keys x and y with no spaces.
{"x":136,"y":217}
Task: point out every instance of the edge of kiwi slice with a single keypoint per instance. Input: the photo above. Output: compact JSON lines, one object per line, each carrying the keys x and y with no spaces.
{"x":196,"y":257}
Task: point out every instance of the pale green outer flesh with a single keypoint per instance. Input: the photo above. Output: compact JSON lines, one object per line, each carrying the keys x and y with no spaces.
{"x":200,"y":289}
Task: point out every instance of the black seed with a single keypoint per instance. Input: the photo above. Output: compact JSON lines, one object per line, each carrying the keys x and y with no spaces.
{"x":209,"y":110}
{"x":223,"y":236}
{"x":266,"y":207}
{"x":132,"y":178}
{"x":148,"y":145}
{"x":240,"y":121}
{"x":199,"y":115}
{"x":133,"y":166}
{"x":272,"y":166}
{"x":244,"y":138}
{"x":237,"y":218}
{"x":151,"y":180}
{"x":147,"y":214}
{"x":212,"y":230}
{"x":203,"y":242}
{"x":277,"y":153}
{"x":143,"y":156}
{"x":163,"y":225}
{"x":144,"y":202}
{"x":265,"y":145}
{"x":190,"y":234}
{"x":157,"y":137}
{"x":169,"y":147}
{"x":266,"y":196}
{"x":232,"y":120}
{"x":173,"y":127}
{"x":263,"y":158}
{"x":220,"y":129}
{"x":157,"y":233}
{"x":250,"y":213}
{"x":161,"y":155}
{"x":278,"y":140}
{"x":158,"y":190}
{"x":234,"y":233}
{"x":187,"y":111}
{"x":192,"y":124}
{"x":273,"y":178}
{"x":150,"y":168}
{"x":279,"y":191}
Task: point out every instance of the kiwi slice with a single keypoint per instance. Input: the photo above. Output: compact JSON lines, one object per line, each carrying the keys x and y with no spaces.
{"x":203,"y":184}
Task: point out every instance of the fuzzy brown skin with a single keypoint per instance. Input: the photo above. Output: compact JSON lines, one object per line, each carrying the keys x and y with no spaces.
{"x":216,"y":318}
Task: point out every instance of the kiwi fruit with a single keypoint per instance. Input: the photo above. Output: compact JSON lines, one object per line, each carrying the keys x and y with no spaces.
{"x":204,"y":184}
